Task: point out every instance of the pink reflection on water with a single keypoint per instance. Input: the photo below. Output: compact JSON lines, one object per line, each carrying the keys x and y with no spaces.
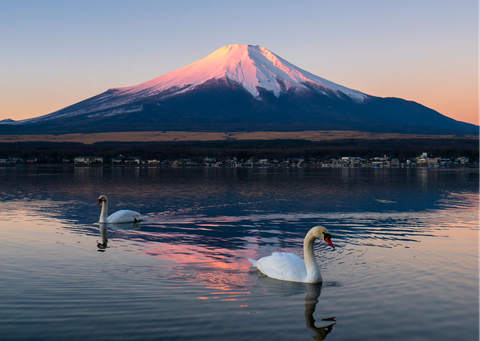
{"x":223,"y":272}
{"x":215,"y":258}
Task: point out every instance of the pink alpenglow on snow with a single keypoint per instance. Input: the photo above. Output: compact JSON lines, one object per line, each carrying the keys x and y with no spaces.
{"x":250,"y":65}
{"x":244,"y":87}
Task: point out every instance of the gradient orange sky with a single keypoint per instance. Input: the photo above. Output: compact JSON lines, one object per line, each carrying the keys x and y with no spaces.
{"x":56,"y":53}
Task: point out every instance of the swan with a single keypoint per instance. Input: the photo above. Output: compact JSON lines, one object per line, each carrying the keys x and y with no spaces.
{"x":289,"y":266}
{"x":122,"y":216}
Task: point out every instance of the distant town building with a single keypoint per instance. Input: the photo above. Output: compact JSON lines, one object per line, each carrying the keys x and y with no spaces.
{"x":115,"y":160}
{"x":133,"y":160}
{"x":263,"y":162}
{"x":87,"y":160}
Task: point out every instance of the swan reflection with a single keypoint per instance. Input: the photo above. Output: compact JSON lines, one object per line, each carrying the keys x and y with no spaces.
{"x":120,"y":226}
{"x":313,"y":291}
{"x":103,"y":234}
{"x":123,"y":226}
{"x":311,"y":300}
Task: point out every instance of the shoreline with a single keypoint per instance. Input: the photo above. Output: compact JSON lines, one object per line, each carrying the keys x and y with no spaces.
{"x":471,"y":167}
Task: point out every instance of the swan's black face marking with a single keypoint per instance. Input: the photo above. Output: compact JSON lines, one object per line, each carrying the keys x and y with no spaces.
{"x":328,"y":239}
{"x":101,"y":199}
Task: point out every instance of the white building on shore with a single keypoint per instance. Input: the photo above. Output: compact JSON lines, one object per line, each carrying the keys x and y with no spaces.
{"x":88,"y":160}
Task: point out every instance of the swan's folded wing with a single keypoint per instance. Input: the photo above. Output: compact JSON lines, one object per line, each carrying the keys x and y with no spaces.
{"x":123,"y":216}
{"x":283,"y":266}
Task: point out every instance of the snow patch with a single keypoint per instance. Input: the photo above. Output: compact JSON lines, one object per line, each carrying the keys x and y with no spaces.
{"x":118,"y":111}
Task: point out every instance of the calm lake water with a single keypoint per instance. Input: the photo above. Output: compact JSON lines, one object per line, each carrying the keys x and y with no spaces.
{"x":405,"y":266}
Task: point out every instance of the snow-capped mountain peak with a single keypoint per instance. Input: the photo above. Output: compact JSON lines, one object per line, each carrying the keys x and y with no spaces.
{"x":251,"y":66}
{"x":240,"y":88}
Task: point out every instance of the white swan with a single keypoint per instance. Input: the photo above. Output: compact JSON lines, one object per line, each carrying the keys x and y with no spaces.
{"x":289,"y":266}
{"x":122,"y":216}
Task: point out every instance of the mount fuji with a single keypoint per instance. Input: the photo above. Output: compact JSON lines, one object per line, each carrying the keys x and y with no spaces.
{"x":240,"y":88}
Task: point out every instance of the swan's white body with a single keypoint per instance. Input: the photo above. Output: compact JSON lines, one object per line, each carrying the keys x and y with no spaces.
{"x":289,"y":266}
{"x":122,"y":216}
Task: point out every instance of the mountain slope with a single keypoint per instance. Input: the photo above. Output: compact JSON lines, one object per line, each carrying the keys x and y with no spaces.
{"x":241,"y":87}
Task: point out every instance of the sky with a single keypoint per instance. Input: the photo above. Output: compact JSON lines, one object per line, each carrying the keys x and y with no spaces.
{"x":54,"y":53}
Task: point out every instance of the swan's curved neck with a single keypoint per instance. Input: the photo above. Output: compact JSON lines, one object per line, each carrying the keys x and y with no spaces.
{"x":313,"y":270}
{"x":104,"y":213}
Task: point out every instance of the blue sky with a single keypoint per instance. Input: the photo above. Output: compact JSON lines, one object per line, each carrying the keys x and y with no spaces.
{"x":56,"y":53}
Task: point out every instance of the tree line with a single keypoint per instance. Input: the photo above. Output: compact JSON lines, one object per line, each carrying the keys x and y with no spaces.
{"x":402,"y":149}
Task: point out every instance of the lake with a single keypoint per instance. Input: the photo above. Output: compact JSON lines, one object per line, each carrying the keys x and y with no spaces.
{"x":405,"y":264}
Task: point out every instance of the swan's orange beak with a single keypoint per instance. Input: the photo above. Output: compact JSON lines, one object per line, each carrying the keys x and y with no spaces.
{"x":99,"y":202}
{"x":328,"y":239}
